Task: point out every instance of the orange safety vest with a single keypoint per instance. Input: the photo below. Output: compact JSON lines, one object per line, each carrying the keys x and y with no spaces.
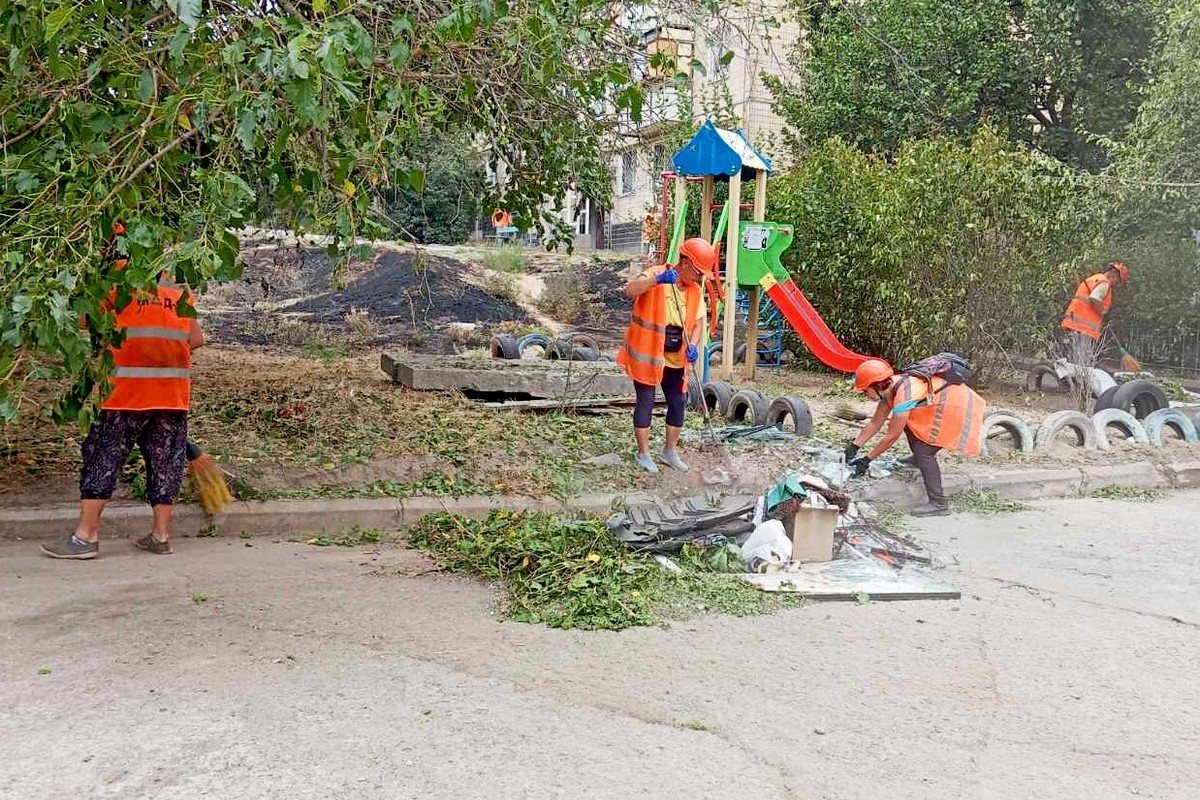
{"x":1081,"y":317}
{"x":944,"y":415}
{"x":646,"y":336}
{"x":153,"y":366}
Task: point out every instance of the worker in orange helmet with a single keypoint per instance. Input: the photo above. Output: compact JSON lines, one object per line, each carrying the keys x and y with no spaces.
{"x":148,"y":406}
{"x":1085,"y":314}
{"x":663,"y":339}
{"x":932,"y":414}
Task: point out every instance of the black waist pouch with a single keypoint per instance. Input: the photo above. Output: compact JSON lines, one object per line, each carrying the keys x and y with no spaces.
{"x":674,"y":341}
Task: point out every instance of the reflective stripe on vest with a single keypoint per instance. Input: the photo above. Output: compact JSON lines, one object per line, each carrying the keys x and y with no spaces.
{"x":151,"y":372}
{"x":158,"y":333}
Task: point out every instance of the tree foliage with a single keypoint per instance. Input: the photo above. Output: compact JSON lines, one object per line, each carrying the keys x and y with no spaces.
{"x":445,"y":211}
{"x":947,"y":245}
{"x":1048,"y":72}
{"x":181,"y":117}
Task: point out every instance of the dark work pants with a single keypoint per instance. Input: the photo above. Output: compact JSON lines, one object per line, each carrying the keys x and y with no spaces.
{"x":672,"y":386}
{"x":925,"y":458}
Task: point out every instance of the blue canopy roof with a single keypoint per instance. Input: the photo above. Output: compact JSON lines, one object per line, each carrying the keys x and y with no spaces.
{"x":720,"y":153}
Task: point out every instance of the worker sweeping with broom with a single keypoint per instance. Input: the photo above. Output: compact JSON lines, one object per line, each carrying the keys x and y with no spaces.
{"x":147,"y":407}
{"x":662,"y":342}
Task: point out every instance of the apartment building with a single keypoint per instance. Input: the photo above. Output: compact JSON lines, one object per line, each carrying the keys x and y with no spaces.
{"x":733,"y":55}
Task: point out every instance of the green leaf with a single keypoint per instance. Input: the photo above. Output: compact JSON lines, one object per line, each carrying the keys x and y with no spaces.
{"x":188,"y":11}
{"x":58,"y":19}
{"x":146,"y":86}
{"x":320,"y":6}
{"x":246,"y":125}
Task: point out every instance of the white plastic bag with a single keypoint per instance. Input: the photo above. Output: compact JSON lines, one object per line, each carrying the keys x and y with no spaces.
{"x":769,"y":544}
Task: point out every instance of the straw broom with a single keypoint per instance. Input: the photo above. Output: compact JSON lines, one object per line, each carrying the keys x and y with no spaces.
{"x":208,"y":479}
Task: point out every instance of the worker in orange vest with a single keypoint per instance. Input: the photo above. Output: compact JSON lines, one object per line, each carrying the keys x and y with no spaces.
{"x":1085,"y":313}
{"x":148,"y":406}
{"x":663,"y":339}
{"x":931,"y":413}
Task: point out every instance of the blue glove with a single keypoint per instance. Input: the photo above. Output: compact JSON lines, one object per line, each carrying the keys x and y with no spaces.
{"x":692,"y":353}
{"x":669,"y":275}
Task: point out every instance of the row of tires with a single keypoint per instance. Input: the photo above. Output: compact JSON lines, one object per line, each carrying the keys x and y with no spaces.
{"x":751,"y":407}
{"x":572,"y":347}
{"x":1139,"y":397}
{"x":1091,"y":433}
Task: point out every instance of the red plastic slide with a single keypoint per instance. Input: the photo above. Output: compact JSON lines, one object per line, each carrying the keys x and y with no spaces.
{"x":800,"y":313}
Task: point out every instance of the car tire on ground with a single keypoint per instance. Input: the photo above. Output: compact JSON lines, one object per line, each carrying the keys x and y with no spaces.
{"x":1140,"y":398}
{"x":718,"y":394}
{"x":1008,"y":421}
{"x":748,"y":407}
{"x":1035,"y":380}
{"x":505,"y":346}
{"x":1051,"y":426}
{"x":790,"y":405}
{"x":1169,"y":418}
{"x":1105,"y":418}
{"x":739,"y":354}
{"x":535,"y":340}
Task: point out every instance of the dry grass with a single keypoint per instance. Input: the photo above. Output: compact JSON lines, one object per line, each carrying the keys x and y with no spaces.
{"x":566,"y":298}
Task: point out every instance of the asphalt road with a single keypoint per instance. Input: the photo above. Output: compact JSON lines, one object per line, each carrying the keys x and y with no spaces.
{"x":1070,"y":669}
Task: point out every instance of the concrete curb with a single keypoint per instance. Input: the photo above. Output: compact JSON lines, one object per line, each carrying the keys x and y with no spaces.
{"x":906,"y":491}
{"x":311,"y":517}
{"x":288,"y":517}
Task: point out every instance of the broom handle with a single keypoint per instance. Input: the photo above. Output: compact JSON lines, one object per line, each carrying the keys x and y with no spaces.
{"x":193,"y":451}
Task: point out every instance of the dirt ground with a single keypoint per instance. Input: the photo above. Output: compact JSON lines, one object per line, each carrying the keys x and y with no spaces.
{"x":266,"y":669}
{"x":290,"y":396}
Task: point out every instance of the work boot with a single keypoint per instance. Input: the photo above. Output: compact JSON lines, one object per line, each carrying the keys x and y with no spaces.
{"x":71,"y":547}
{"x":671,"y":459}
{"x":930,"y":510}
{"x":646,"y":462}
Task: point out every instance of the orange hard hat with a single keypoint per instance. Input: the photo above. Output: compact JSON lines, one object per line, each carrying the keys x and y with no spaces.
{"x":700,"y":253}
{"x":1121,"y":270}
{"x":871,"y":372}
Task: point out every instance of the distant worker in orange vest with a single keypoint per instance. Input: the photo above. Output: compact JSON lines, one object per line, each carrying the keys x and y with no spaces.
{"x":662,"y":340}
{"x":148,"y":406}
{"x":932,"y":414}
{"x":1085,"y":313}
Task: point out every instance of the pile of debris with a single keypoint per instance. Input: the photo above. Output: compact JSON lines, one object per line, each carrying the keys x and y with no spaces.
{"x":802,"y":536}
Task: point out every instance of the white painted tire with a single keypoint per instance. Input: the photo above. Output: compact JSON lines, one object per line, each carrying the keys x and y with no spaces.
{"x":1009,"y":421}
{"x":1051,"y":425}
{"x":1171,"y":417}
{"x":1115,"y":417}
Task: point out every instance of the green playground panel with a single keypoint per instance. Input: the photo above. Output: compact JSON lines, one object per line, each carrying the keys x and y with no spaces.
{"x":760,"y":245}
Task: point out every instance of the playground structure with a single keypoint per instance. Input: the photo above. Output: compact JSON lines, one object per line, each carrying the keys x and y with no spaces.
{"x":752,"y":248}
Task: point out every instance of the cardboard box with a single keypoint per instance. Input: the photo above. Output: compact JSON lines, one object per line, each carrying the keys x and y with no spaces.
{"x":811,"y":530}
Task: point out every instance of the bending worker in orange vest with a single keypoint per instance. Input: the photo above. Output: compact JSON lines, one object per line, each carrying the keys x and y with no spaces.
{"x":148,"y":406}
{"x":662,"y":340}
{"x":932,"y":414}
{"x":1085,"y":313}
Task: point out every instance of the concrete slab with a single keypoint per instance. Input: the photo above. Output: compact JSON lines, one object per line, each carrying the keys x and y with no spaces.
{"x":1141,"y":474}
{"x":1183,"y":475}
{"x":553,"y":380}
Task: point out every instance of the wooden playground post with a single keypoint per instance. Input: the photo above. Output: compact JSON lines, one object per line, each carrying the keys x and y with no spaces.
{"x":706,"y":209}
{"x":732,"y":233}
{"x":760,"y":214}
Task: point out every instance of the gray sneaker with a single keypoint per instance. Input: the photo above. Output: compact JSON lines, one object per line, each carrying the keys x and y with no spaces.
{"x":71,"y":547}
{"x":646,"y":462}
{"x":930,"y":510}
{"x":671,"y":459}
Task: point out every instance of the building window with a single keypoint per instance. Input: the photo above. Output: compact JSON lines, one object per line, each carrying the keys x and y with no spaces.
{"x":583,"y":216}
{"x":628,"y":171}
